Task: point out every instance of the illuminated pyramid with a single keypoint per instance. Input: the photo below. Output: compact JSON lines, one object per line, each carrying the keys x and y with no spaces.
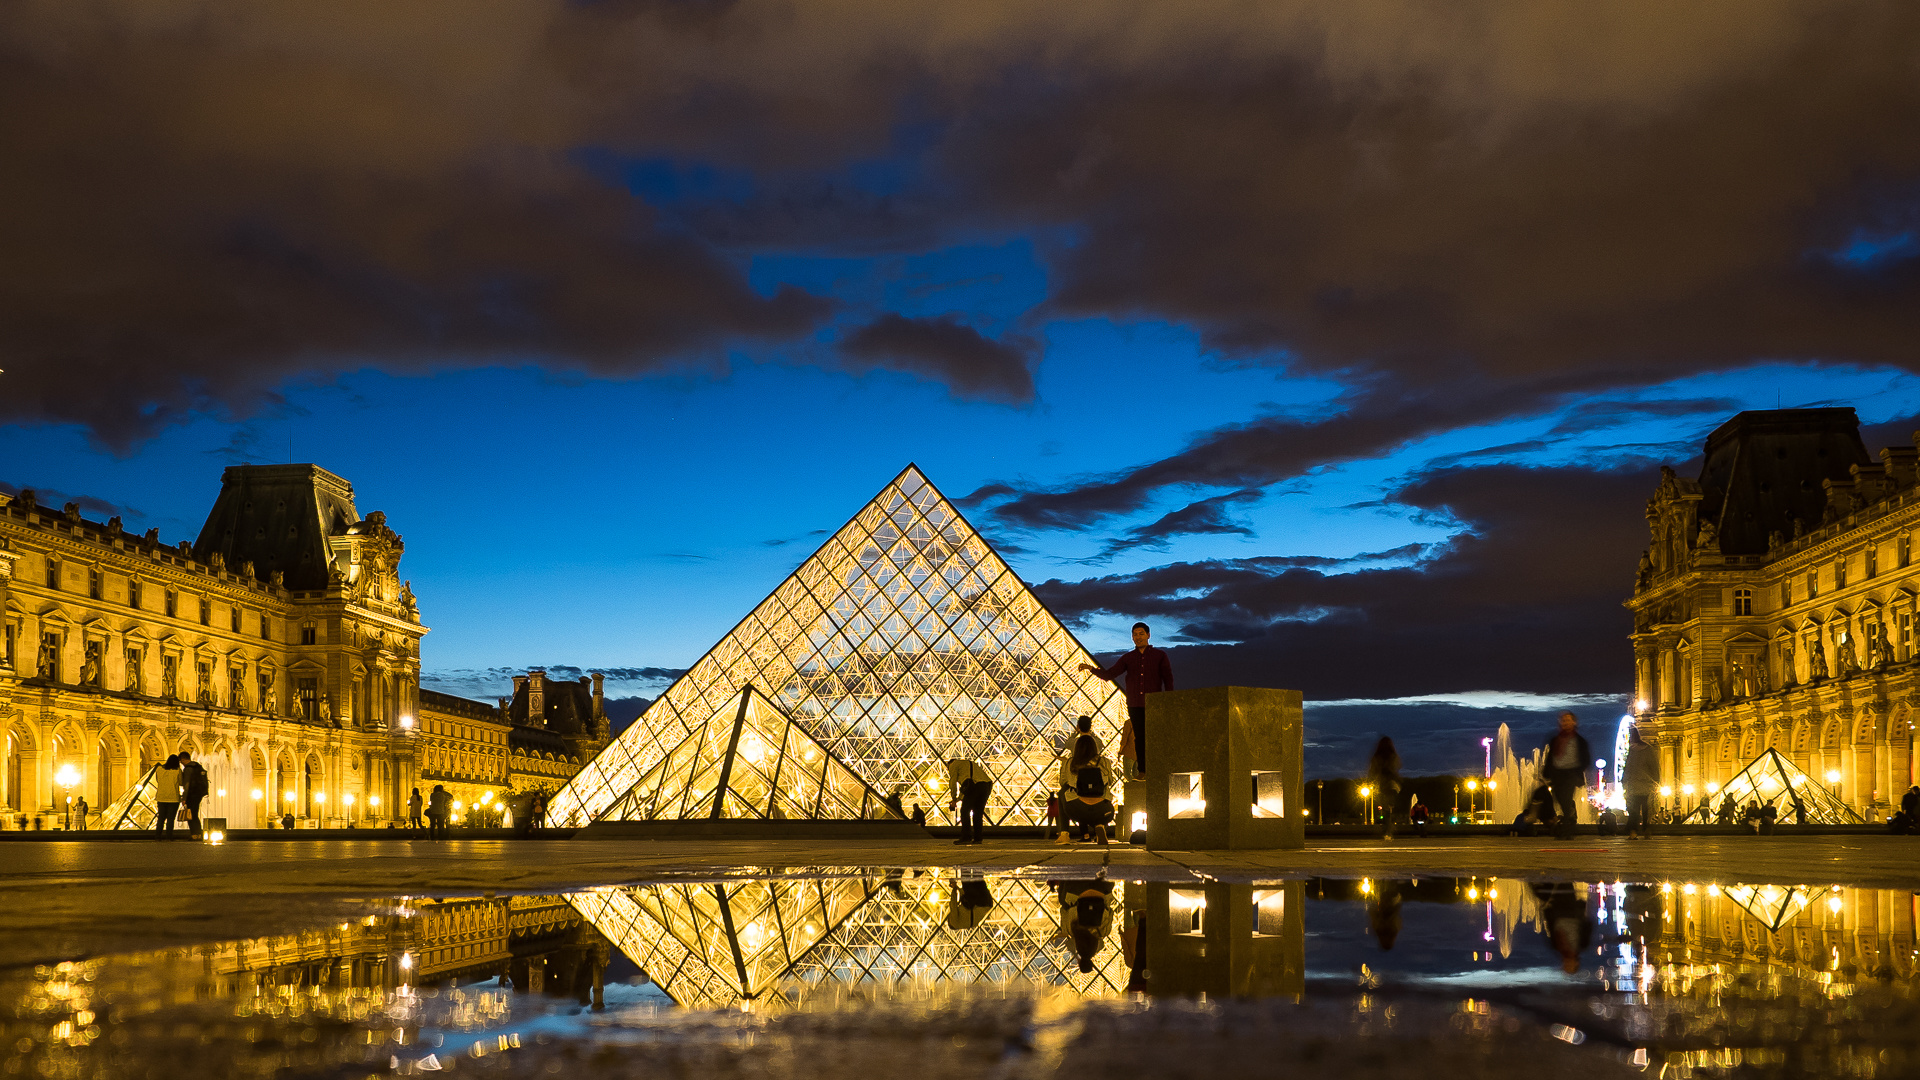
{"x":1773,"y":905}
{"x":780,"y":942}
{"x":903,"y":641}
{"x":136,"y":807}
{"x":1798,"y":798}
{"x":748,"y":761}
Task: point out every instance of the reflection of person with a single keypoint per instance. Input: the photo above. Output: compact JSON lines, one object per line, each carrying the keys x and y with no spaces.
{"x":968,"y":786}
{"x":1640,"y":776}
{"x":1147,"y":671}
{"x":1383,"y":913}
{"x":1086,"y":915}
{"x":968,"y":901}
{"x":1564,"y":912}
{"x":1568,"y":757}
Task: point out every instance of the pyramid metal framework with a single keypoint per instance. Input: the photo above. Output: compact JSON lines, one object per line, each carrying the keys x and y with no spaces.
{"x":903,"y":641}
{"x":1771,"y":779}
{"x":775,"y":944}
{"x":136,"y":807}
{"x":747,"y":761}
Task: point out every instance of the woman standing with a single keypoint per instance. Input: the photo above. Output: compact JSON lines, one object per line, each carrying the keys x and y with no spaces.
{"x":1383,"y":772}
{"x":166,"y":795}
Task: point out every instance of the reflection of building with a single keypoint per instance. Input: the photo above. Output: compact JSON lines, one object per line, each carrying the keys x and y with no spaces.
{"x":903,"y":641}
{"x":774,"y":943}
{"x":281,"y":648}
{"x":1221,"y":939}
{"x":1708,"y":934}
{"x":1775,"y":607}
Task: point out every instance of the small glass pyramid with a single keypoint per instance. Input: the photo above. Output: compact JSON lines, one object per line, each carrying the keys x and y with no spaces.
{"x":748,"y":761}
{"x":1771,"y":779}
{"x":135,"y":808}
{"x":1773,"y":905}
{"x":776,"y":943}
{"x":905,"y":640}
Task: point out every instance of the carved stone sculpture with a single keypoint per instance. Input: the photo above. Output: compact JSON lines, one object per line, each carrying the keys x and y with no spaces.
{"x":90,"y":668}
{"x":169,"y":680}
{"x":48,"y":664}
{"x":326,"y":709}
{"x":1763,"y":678}
{"x":270,"y":701}
{"x":1709,"y":538}
{"x":1847,"y":660}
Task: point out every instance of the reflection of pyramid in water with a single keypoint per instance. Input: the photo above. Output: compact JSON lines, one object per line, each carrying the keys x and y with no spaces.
{"x":1799,"y":798}
{"x":1773,"y":905}
{"x":903,"y":641}
{"x":779,"y":941}
{"x":748,"y":761}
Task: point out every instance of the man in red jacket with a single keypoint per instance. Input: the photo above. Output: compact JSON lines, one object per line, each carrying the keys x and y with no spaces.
{"x":1147,"y":671}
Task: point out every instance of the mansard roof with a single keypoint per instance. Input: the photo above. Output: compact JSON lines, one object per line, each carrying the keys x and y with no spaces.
{"x":278,"y":517}
{"x":1764,"y":468}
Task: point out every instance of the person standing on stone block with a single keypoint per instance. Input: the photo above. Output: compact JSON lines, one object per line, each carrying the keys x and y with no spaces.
{"x":1568,"y":757}
{"x":1147,"y":671}
{"x":968,"y":787}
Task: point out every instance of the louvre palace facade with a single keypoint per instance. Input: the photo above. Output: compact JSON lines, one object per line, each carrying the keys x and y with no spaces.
{"x":1774,"y":608}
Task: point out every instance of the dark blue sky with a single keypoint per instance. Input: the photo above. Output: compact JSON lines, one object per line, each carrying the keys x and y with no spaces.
{"x":1343,"y":347}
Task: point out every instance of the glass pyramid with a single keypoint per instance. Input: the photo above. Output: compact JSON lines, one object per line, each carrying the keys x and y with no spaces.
{"x":903,"y":641}
{"x":1774,"y":905}
{"x":781,"y":942}
{"x":1772,"y":779}
{"x":135,"y":807}
{"x":747,"y":761}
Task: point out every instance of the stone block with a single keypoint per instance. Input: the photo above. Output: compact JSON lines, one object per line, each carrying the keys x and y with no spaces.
{"x":1226,"y":940}
{"x":1224,"y":769}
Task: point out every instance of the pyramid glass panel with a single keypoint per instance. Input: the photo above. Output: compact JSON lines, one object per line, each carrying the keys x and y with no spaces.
{"x":783,"y":942}
{"x":748,"y":761}
{"x":903,"y":641}
{"x":1772,"y":780}
{"x":1774,"y":905}
{"x":136,"y":807}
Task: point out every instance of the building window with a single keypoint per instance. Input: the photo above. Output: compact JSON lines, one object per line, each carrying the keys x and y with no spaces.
{"x":1873,"y":560}
{"x":133,"y":592}
{"x":237,"y":687}
{"x":206,"y":612}
{"x":6,"y":646}
{"x":93,"y":584}
{"x":1903,"y":549}
{"x":171,"y":600}
{"x":1840,"y":573}
{"x":1906,"y":635}
{"x":1743,"y":601}
{"x":169,"y":676}
{"x":263,"y":683}
{"x":1813,"y":584}
{"x":134,"y":682}
{"x":203,"y":674}
{"x":49,"y":666}
{"x":310,"y":700}
{"x":266,"y":627}
{"x":306,"y":632}
{"x":234,"y":616}
{"x":1786,"y":594}
{"x":53,"y":574}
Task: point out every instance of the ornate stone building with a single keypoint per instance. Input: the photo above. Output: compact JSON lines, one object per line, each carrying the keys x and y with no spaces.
{"x":1774,"y":608}
{"x":281,"y":647}
{"x":533,"y":741}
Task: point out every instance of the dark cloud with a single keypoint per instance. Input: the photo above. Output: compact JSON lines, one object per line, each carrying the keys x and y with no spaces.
{"x":1527,"y":597}
{"x":1204,"y":517}
{"x":945,"y":350}
{"x":1476,"y":207}
{"x":55,"y":499}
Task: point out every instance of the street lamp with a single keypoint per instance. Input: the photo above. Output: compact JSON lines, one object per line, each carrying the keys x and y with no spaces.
{"x":406,"y":722}
{"x":67,"y":777}
{"x":1473,"y":797}
{"x":1366,"y":792}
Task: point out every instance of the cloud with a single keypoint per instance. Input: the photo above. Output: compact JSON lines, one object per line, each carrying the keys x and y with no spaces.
{"x":1525,"y":598}
{"x":54,"y":499}
{"x":948,"y":351}
{"x":1204,"y":517}
{"x":1462,"y":210}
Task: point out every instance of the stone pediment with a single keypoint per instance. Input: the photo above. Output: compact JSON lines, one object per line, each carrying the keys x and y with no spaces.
{"x":1746,"y":637}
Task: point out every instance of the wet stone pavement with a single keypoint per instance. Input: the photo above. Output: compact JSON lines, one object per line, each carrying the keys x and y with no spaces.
{"x":1062,"y":968}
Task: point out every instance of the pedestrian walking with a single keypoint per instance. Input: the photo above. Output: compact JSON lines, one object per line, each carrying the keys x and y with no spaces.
{"x":166,"y":795}
{"x":1383,"y":772}
{"x":1053,"y":815}
{"x":1088,"y":812}
{"x":539,"y":810}
{"x":80,"y":813}
{"x":193,"y":788}
{"x":1768,"y":815}
{"x":1910,"y":803}
{"x":1147,"y":671}
{"x":1568,"y":757}
{"x":968,"y":786}
{"x":1640,"y":776}
{"x":413,"y":809}
{"x":1417,"y":814}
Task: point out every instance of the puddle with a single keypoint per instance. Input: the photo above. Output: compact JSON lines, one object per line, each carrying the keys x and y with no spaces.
{"x":1668,"y":978}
